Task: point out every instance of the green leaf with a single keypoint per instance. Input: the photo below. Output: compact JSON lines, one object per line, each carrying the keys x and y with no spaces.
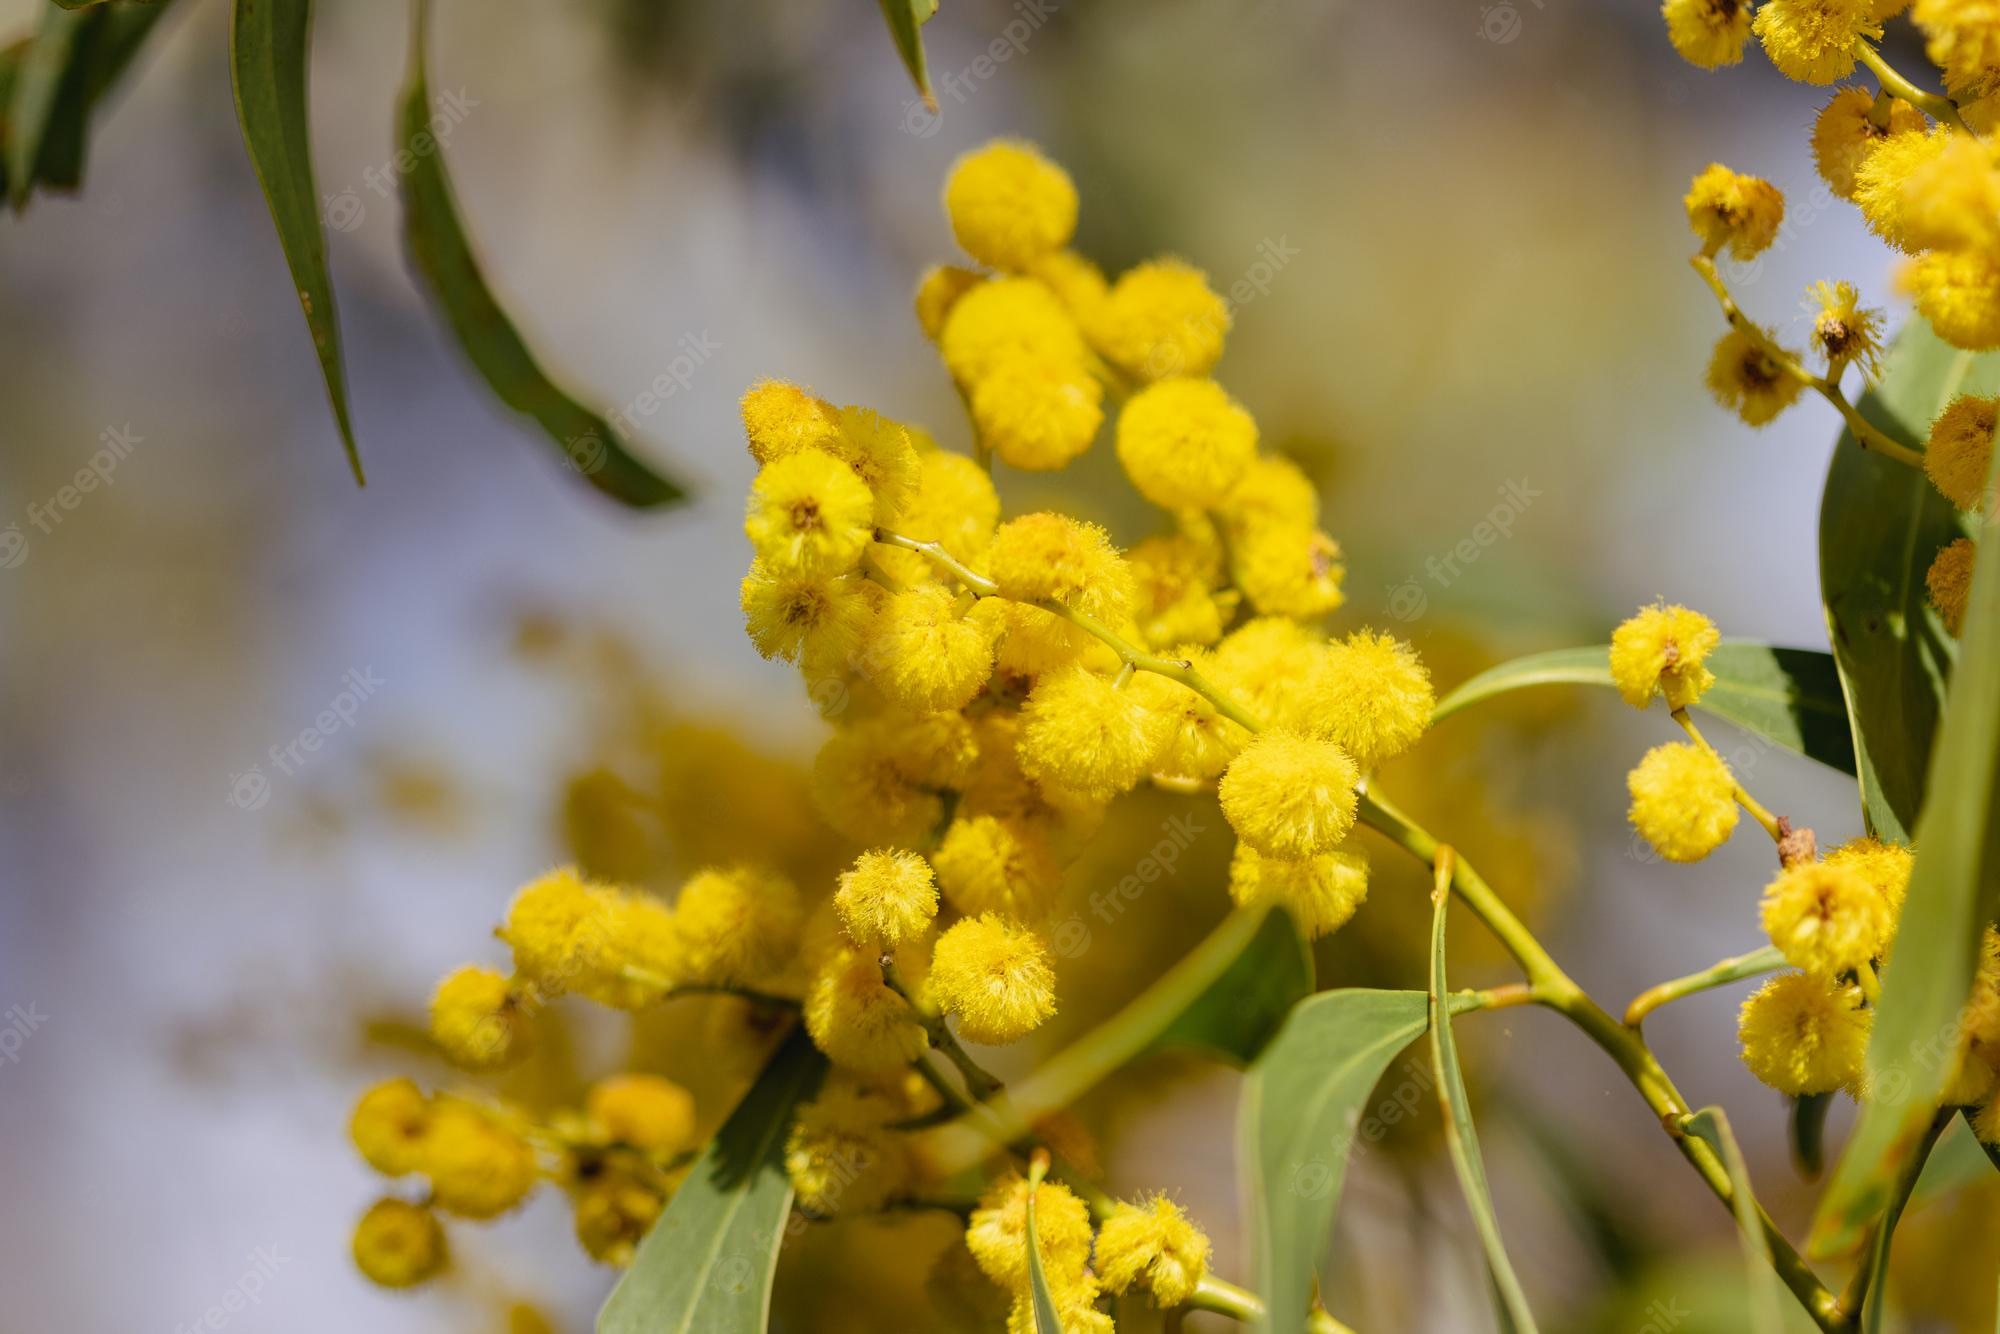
{"x":1959,"y":1160}
{"x":1808,"y":1133}
{"x":1880,"y":523}
{"x":706,"y":1266}
{"x":1462,"y":1138}
{"x":1788,"y":696}
{"x":905,"y":18}
{"x":269,"y":45}
{"x":1046,"y":1319}
{"x":1766,"y":1308}
{"x":1226,"y":997}
{"x":440,"y":251}
{"x":1954,"y":893}
{"x":1301,"y":1113}
{"x":39,"y":74}
{"x":112,"y":36}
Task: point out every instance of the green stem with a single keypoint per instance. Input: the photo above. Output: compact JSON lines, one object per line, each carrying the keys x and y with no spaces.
{"x":1875,"y":1267}
{"x":1893,"y":83}
{"x":1246,"y":1307}
{"x":978,"y":1080}
{"x":1754,"y":964}
{"x":1757,"y":810}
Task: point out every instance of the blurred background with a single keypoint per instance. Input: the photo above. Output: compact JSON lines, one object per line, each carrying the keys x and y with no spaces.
{"x":1464,"y":226}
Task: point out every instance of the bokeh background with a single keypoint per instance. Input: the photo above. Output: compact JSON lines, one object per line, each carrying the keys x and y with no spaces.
{"x":1469,"y":218}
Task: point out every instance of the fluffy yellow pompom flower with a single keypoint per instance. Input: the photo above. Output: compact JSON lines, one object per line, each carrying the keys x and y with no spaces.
{"x":1958,"y":291}
{"x":1007,"y":319}
{"x":1881,"y":179}
{"x":1826,"y":917}
{"x":1962,"y":38}
{"x":1272,"y":490}
{"x":1082,"y":734}
{"x":645,"y":1111}
{"x":614,"y":1211}
{"x":887,"y":897}
{"x":1813,"y":40}
{"x":1959,"y":453}
{"x":841,"y":1155}
{"x":1708,"y":33}
{"x":1727,"y":208}
{"x":1321,"y":892}
{"x":1009,"y":205}
{"x":938,"y":291}
{"x":1290,"y":796}
{"x":1846,"y":133}
{"x":475,"y":1021}
{"x":926,"y":655}
{"x":780,"y":418}
{"x":1079,"y":283}
{"x":1886,"y":866}
{"x":809,"y":512}
{"x":1370,"y":694}
{"x":999,"y":863}
{"x":1152,"y":1243}
{"x":477,"y":1167}
{"x":863,"y":786}
{"x":1748,"y":381}
{"x":559,"y":928}
{"x":1949,"y":582}
{"x":1843,"y":333}
{"x":857,"y":1019}
{"x":1037,"y":413}
{"x":737,"y":925}
{"x":1185,"y":442}
{"x":1662,"y":650}
{"x":398,"y":1244}
{"x":1267,"y":662}
{"x":1683,"y":801}
{"x":817,"y":621}
{"x":388,"y":1126}
{"x":1200,"y":741}
{"x":1177,"y":593}
{"x":1161,"y":319}
{"x":882,"y":455}
{"x":1053,"y":556}
{"x":1953,"y":201}
{"x":1289,"y":571}
{"x":994,"y":978}
{"x":1802,"y":1036}
{"x":955,"y":506}
{"x":998,"y":1232}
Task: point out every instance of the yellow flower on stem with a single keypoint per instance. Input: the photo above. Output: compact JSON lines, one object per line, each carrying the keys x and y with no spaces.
{"x":1802,"y":1036}
{"x":1663,"y":650}
{"x":1009,"y":205}
{"x":1959,"y":454}
{"x":1727,"y":208}
{"x":994,"y":978}
{"x":1683,"y":801}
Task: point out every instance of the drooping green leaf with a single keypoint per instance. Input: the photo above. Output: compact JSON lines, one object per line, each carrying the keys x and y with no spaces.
{"x":1958,"y":1160}
{"x":1046,"y":1319}
{"x":269,"y":45}
{"x":1226,"y":998}
{"x":1301,"y":1115}
{"x":1954,"y":893}
{"x":112,"y":36}
{"x":1766,"y":1304}
{"x":1463,"y":1139}
{"x":440,"y":251}
{"x":906,"y":18}
{"x":1807,"y":1128}
{"x":1880,"y":524}
{"x":35,"y":88}
{"x":1788,"y":696}
{"x":706,"y":1266}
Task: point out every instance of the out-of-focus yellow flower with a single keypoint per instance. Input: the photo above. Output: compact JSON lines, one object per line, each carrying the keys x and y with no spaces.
{"x":1846,"y":133}
{"x":938,"y":291}
{"x":1037,"y":413}
{"x":1959,"y":453}
{"x":1708,"y":33}
{"x":1949,"y":582}
{"x":781,"y":418}
{"x":857,"y":1019}
{"x":1727,"y":208}
{"x":1958,"y":291}
{"x":861,"y":785}
{"x":998,"y":1233}
{"x":1952,"y":201}
{"x":1162,"y":319}
{"x":1085,"y":735}
{"x":1288,"y":571}
{"x":1826,"y":917}
{"x":646,"y":1111}
{"x":1802,"y":1036}
{"x":558,"y":928}
{"x":1272,"y":490}
{"x":475,"y":1021}
{"x":1153,"y":1243}
{"x":1185,"y":442}
{"x":1884,"y":172}
{"x":840,"y":1154}
{"x":1370,"y":694}
{"x":809,"y":512}
{"x":477,"y":1167}
{"x":1290,"y":796}
{"x":398,"y":1244}
{"x":736,"y":926}
{"x":994,"y":978}
{"x":1813,"y":40}
{"x":1177,"y":597}
{"x":1079,"y":283}
{"x":926,"y":654}
{"x":1663,"y":649}
{"x":1962,"y":38}
{"x":1886,"y":866}
{"x":999,"y":863}
{"x":886,"y":898}
{"x":1321,"y":892}
{"x":1683,"y":801}
{"x":1266,"y":662}
{"x":614,"y":1211}
{"x":1844,"y":333}
{"x":1745,"y":378}
{"x":1003,"y":320}
{"x":388,"y":1126}
{"x":1009,"y":205}
{"x":1200,"y":741}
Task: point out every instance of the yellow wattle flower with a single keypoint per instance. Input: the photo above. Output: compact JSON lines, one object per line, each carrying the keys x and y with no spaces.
{"x":1663,"y":650}
{"x":646,"y":1111}
{"x":1290,"y":796}
{"x":475,"y":1020}
{"x":1008,"y":205}
{"x":993,"y":978}
{"x":886,"y":898}
{"x":1683,"y":801}
{"x":398,"y":1244}
{"x":1802,"y":1036}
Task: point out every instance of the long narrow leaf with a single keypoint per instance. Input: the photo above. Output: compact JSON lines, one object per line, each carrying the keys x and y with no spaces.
{"x":269,"y":45}
{"x":1460,"y":1135}
{"x":39,"y":73}
{"x":440,"y":251}
{"x":905,"y":19}
{"x":1046,"y":1319}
